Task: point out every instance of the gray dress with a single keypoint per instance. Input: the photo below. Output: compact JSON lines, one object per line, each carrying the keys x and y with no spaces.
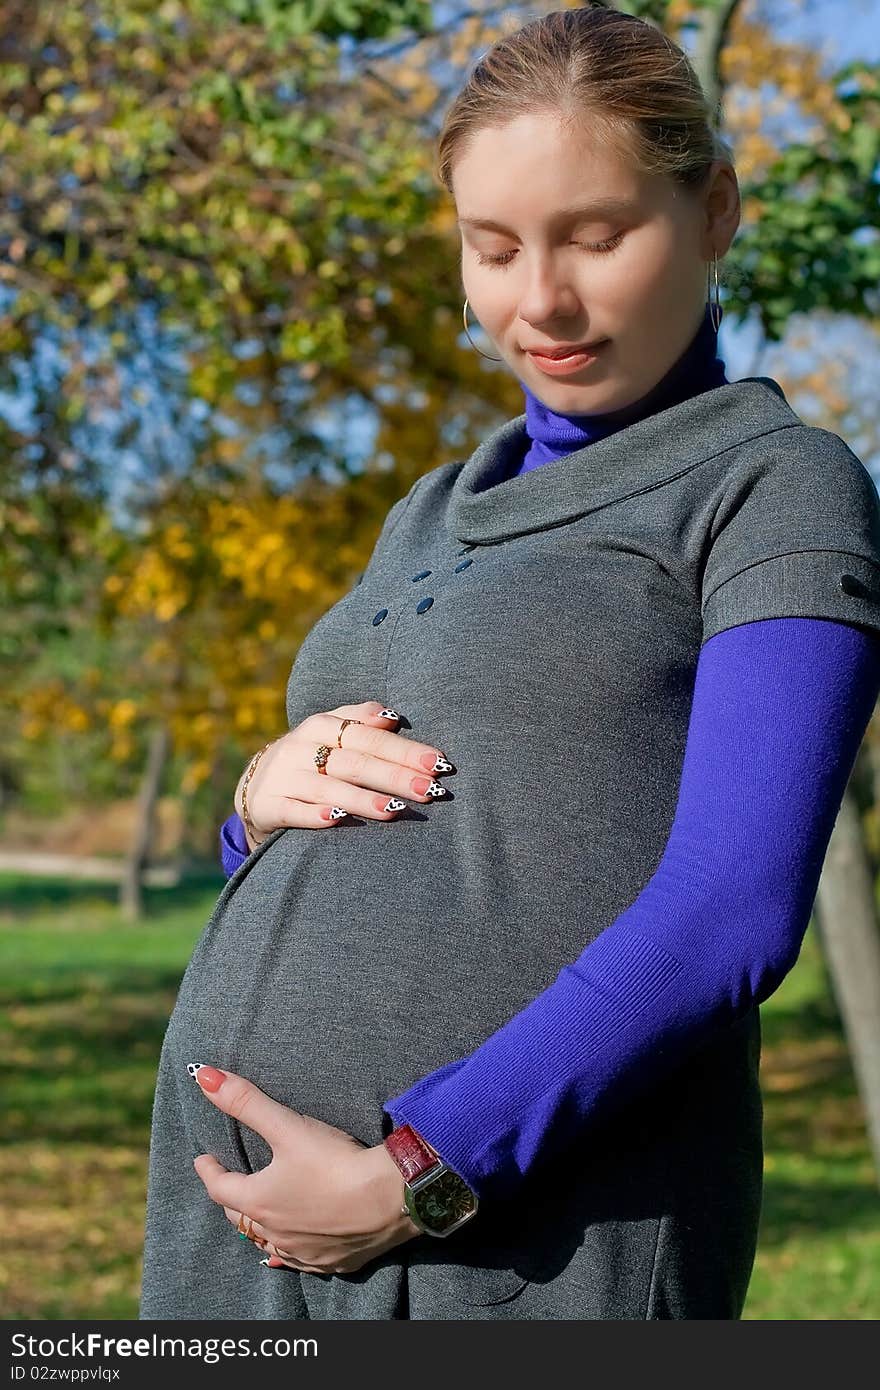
{"x":543,"y":630}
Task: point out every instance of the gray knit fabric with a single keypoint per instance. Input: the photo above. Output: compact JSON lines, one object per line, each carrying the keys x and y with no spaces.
{"x":555,"y":668}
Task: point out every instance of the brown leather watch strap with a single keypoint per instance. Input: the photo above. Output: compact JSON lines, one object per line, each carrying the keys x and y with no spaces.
{"x":410,"y":1152}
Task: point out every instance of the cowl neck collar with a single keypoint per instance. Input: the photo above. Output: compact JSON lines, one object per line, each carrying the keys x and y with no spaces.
{"x":487,"y":504}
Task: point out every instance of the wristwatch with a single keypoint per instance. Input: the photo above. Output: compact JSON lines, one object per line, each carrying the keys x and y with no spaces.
{"x":436,"y":1199}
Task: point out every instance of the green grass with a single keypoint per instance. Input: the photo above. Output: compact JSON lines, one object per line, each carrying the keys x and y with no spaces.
{"x":84,"y":999}
{"x":819,"y":1246}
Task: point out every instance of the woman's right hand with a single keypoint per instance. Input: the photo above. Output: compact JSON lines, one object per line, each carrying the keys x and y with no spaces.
{"x":288,"y":790}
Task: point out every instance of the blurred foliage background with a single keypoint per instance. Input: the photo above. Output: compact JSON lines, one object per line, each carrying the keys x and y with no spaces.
{"x":230,"y":339}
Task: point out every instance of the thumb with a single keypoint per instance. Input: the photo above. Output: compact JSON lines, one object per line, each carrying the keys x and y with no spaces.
{"x":245,"y":1102}
{"x":225,"y":1188}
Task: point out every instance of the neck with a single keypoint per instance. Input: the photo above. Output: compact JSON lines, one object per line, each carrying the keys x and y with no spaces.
{"x":553,"y":434}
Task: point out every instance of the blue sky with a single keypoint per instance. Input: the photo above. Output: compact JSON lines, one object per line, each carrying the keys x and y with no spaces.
{"x":841,"y":29}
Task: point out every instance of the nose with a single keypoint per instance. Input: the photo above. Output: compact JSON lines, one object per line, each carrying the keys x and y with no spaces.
{"x":549,"y":296}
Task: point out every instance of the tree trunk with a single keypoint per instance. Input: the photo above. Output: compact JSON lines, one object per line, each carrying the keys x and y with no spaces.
{"x":847,"y":920}
{"x":131,"y":893}
{"x":712,"y":24}
{"x":711,"y":36}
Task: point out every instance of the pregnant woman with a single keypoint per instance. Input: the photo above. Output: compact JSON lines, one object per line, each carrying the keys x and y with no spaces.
{"x":487,"y":1046}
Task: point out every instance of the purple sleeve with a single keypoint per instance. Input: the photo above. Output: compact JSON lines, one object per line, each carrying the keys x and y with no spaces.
{"x":234,"y":848}
{"x":780,"y":707}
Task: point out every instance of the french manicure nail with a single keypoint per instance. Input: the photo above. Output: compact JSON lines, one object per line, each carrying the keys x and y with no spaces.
{"x":435,"y":764}
{"x":388,"y":714}
{"x":395,"y":804}
{"x":422,"y":787}
{"x":208,"y":1077}
{"x":336,"y":813}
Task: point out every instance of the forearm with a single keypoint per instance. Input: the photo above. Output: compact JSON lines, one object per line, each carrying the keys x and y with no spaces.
{"x":780,"y":708}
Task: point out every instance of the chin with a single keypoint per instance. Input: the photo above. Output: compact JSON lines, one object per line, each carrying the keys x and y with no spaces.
{"x":577,"y":400}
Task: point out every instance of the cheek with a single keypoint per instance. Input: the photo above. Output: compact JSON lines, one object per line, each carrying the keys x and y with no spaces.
{"x":654,"y":277}
{"x":491,"y":299}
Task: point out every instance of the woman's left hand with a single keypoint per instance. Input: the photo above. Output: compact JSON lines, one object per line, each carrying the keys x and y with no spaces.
{"x":326,"y":1203}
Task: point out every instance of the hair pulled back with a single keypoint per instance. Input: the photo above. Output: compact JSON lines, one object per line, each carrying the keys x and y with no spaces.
{"x":598,"y":69}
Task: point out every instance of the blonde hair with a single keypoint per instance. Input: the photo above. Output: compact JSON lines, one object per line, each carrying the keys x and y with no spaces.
{"x":592,"y":66}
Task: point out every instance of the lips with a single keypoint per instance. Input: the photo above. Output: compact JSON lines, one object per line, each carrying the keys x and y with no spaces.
{"x":566,"y":351}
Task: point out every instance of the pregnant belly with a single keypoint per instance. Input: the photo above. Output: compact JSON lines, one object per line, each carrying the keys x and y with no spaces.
{"x":334,"y":973}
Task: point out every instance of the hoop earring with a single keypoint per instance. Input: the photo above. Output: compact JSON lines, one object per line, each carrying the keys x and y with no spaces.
{"x":715,"y":308}
{"x":471,"y":341}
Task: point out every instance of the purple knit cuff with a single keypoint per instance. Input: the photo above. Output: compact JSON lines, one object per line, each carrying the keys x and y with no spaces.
{"x":234,"y":848}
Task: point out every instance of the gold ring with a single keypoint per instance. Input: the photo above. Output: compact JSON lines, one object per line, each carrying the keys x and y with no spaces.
{"x":344,"y":725}
{"x":322,"y":753}
{"x":247,"y":1232}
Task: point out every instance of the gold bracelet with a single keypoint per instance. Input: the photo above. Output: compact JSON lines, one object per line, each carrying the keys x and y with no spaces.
{"x":245,"y":813}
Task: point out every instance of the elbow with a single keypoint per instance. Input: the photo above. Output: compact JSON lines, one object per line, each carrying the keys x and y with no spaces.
{"x":771,"y":954}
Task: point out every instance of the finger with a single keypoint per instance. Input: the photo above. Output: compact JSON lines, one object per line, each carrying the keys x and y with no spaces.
{"x":247,"y":1228}
{"x":367,"y":709}
{"x":387,"y":746}
{"x":277,"y":1259}
{"x":325,"y":811}
{"x":283,"y":1257}
{"x":332,"y":796}
{"x":275,"y":1263}
{"x":227,"y":1189}
{"x":245,"y":1102}
{"x":314,"y":815}
{"x":351,"y":771}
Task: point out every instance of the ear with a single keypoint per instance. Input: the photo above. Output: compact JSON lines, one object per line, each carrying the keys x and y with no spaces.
{"x":722,"y":209}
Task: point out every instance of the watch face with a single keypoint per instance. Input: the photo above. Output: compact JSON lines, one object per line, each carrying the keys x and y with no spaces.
{"x":444,"y":1203}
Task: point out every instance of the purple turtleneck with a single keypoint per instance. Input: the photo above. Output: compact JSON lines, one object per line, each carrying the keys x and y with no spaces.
{"x":553,"y":434}
{"x":780,"y":707}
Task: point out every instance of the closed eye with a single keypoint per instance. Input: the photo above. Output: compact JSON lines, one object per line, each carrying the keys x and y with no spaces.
{"x":598,"y":247}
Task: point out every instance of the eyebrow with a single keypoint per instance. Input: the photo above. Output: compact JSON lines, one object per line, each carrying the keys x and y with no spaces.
{"x":597,"y":209}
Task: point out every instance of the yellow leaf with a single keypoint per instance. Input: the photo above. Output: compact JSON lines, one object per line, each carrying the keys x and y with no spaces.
{"x":102,"y":294}
{"x":301,"y":578}
{"x":122,"y":714}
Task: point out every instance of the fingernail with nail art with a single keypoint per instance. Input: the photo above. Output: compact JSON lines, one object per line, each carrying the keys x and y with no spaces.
{"x":422,"y":787}
{"x":436,"y":764}
{"x":388,"y":714}
{"x":395,"y":804}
